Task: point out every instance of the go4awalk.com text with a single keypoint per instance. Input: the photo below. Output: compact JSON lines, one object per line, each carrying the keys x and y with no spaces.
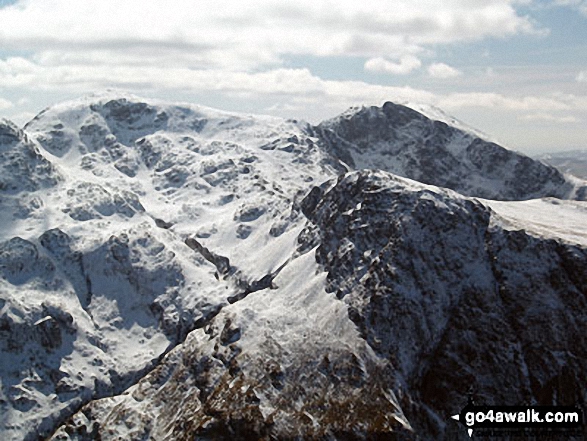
{"x":512,"y":418}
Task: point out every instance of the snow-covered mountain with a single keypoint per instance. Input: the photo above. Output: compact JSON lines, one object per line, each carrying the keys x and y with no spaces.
{"x":403,"y":141}
{"x":169,"y":270}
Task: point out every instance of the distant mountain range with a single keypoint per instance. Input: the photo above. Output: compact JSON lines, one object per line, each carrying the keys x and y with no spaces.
{"x":571,"y":161}
{"x":174,"y":272}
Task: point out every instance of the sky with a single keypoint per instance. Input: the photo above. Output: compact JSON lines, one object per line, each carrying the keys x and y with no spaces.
{"x":514,"y":69}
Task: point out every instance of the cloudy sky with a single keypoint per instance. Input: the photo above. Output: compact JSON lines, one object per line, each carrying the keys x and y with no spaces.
{"x":516,"y":69}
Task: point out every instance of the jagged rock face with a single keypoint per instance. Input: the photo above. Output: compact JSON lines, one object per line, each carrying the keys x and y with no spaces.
{"x":407,"y":255}
{"x":402,"y":141}
{"x":87,"y":200}
{"x":455,"y":304}
{"x":22,"y":166}
{"x":129,"y":121}
{"x":213,"y":388}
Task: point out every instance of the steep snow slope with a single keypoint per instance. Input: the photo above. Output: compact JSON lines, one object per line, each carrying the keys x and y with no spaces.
{"x":403,"y":141}
{"x":434,"y":113}
{"x":169,"y":270}
{"x":284,"y":362}
{"x":547,"y":217}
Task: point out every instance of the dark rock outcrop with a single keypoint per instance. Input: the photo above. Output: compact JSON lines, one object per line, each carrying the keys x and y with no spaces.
{"x":22,"y":166}
{"x":454,"y":303}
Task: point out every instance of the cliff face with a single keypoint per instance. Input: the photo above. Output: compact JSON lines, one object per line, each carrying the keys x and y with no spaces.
{"x":170,"y":271}
{"x":455,"y":302}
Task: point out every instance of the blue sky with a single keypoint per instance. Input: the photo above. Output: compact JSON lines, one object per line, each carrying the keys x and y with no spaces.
{"x":515,"y":69}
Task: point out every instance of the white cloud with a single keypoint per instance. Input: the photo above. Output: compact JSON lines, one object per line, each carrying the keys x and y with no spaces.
{"x":579,"y":5}
{"x":443,"y":71}
{"x":20,"y":119}
{"x":242,"y":49}
{"x":582,"y":77}
{"x":380,"y":65}
{"x":295,"y":85}
{"x":236,"y":48}
{"x":554,"y":102}
{"x":547,"y":117}
{"x":5,"y":104}
{"x":246,"y":35}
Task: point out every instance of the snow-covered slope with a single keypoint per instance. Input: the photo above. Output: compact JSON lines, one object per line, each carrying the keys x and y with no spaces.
{"x":169,"y":270}
{"x":403,"y":141}
{"x":435,"y":113}
{"x":225,"y":178}
{"x":547,"y":217}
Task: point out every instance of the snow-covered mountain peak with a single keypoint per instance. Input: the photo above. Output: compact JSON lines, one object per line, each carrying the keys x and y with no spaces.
{"x":405,"y":142}
{"x":432,"y":112}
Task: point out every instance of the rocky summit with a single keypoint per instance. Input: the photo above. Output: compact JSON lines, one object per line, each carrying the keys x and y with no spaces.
{"x":175,"y":272}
